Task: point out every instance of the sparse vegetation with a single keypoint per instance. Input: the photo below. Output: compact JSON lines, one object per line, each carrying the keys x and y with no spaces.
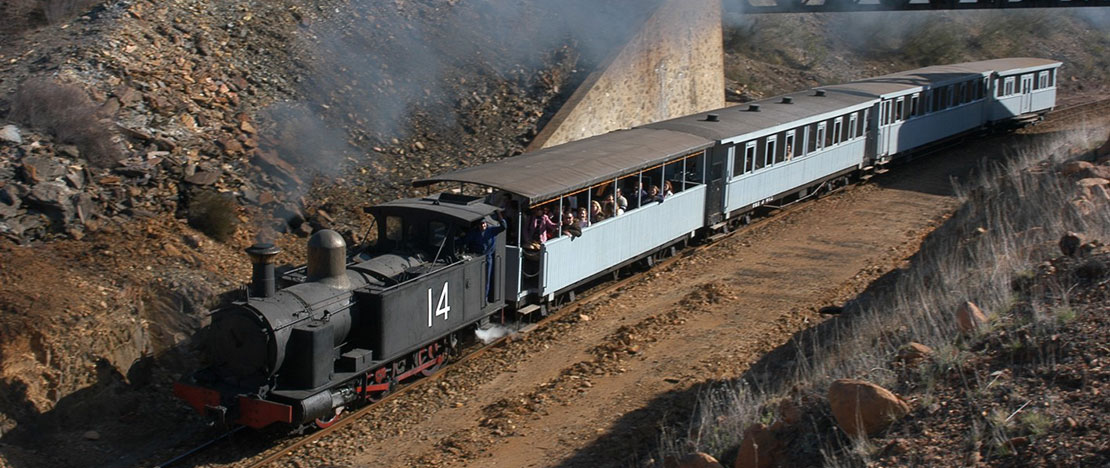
{"x":20,"y":15}
{"x":66,"y":111}
{"x":1018,"y":209}
{"x":214,"y":214}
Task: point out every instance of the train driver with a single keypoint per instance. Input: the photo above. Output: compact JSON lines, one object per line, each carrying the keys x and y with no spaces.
{"x":483,"y":239}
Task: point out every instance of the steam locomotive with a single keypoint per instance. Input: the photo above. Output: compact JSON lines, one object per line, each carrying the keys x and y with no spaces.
{"x":347,"y":327}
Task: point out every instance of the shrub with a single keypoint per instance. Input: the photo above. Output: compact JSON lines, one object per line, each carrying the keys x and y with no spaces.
{"x":213,"y":214}
{"x":17,"y":16}
{"x":66,"y":112}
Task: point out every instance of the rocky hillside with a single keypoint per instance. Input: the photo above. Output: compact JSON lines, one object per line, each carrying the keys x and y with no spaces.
{"x":144,"y":144}
{"x":985,"y":350}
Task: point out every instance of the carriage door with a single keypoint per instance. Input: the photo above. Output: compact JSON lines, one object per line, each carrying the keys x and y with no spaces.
{"x":1026,"y":93}
{"x":884,"y":129}
{"x":715,"y":186}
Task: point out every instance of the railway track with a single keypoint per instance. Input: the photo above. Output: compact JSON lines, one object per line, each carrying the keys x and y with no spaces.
{"x":1061,"y":116}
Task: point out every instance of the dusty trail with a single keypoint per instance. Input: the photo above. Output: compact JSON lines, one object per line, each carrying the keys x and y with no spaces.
{"x":591,"y":388}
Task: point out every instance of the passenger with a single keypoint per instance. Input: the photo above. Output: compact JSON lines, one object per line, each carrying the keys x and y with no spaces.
{"x":668,"y":189}
{"x":483,"y":240}
{"x":583,"y":218}
{"x":595,"y":211}
{"x":538,"y":229}
{"x":654,"y":195}
{"x":611,"y":208}
{"x":789,"y":152}
{"x":622,"y":203}
{"x":639,"y":195}
{"x":569,"y":226}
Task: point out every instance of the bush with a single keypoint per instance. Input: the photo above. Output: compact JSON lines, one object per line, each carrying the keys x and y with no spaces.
{"x":213,"y":214}
{"x":66,"y":112}
{"x":17,"y":16}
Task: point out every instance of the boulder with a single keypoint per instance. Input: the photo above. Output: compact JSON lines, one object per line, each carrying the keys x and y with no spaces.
{"x":1094,"y":187}
{"x":1075,"y":167}
{"x":760,"y":448}
{"x":50,"y":196}
{"x":864,"y":408}
{"x":42,"y":168}
{"x":1070,"y":243}
{"x":11,"y":134}
{"x":969,"y":318}
{"x":913,"y":353}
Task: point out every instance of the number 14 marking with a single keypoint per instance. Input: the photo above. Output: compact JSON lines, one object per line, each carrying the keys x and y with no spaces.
{"x":442,"y":307}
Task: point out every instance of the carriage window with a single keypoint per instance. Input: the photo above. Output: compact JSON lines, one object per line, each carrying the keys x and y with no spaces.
{"x":811,"y":138}
{"x":1042,"y":80}
{"x":886,"y":113}
{"x":1052,"y":77}
{"x":914,"y":110}
{"x":829,"y":133}
{"x":749,"y":157}
{"x":864,"y":121}
{"x":837,"y":128}
{"x":393,"y":228}
{"x":1009,"y":87}
{"x":899,"y":108}
{"x":820,"y":143}
{"x":788,"y":146}
{"x":852,"y":125}
{"x":769,"y":155}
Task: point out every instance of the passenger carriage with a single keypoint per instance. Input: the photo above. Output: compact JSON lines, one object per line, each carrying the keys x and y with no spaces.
{"x":728,"y":162}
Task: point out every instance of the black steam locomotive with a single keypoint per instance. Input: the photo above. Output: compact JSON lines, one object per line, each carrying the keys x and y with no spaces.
{"x":347,"y":328}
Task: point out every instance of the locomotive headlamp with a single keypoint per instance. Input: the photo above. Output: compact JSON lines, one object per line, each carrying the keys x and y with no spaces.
{"x":262,"y":274}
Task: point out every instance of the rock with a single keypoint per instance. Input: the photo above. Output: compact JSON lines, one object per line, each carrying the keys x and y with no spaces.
{"x":1094,"y":187}
{"x":583,"y":318}
{"x":127,"y":95}
{"x":790,"y":413}
{"x":70,"y":151}
{"x":912,"y":353}
{"x":247,"y":127}
{"x":50,"y":195}
{"x":11,"y":134}
{"x":76,"y":179}
{"x":42,"y":168}
{"x":1074,"y":167}
{"x":760,"y":448}
{"x":85,"y":206}
{"x":1104,"y":149}
{"x":204,"y":177}
{"x":969,"y":318}
{"x":696,"y":460}
{"x":91,"y":435}
{"x":230,"y":146}
{"x":864,"y":408}
{"x":1070,"y":243}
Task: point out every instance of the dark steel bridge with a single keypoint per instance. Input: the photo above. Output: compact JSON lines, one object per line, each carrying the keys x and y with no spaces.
{"x":803,"y":6}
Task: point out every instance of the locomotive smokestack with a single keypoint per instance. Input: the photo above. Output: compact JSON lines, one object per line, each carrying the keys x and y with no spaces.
{"x":262,"y":274}
{"x":327,"y":259}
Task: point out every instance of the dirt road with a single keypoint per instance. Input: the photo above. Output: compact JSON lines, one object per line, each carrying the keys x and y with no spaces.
{"x":591,"y":388}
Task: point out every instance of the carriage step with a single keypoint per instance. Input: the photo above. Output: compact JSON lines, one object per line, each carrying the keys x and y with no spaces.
{"x":882,"y":170}
{"x":716,"y":236}
{"x":528,"y":309}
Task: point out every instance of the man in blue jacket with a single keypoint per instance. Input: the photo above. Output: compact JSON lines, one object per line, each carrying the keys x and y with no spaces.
{"x":483,"y":239}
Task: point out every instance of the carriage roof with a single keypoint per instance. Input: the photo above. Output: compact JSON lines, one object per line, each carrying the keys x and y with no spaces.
{"x":543,"y":174}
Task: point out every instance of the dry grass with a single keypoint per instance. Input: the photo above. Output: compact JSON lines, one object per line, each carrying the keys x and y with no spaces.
{"x":66,"y":112}
{"x":1020,"y":204}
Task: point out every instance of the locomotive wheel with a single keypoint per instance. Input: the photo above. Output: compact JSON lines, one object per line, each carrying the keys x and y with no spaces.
{"x":326,"y":423}
{"x":422,"y":356}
